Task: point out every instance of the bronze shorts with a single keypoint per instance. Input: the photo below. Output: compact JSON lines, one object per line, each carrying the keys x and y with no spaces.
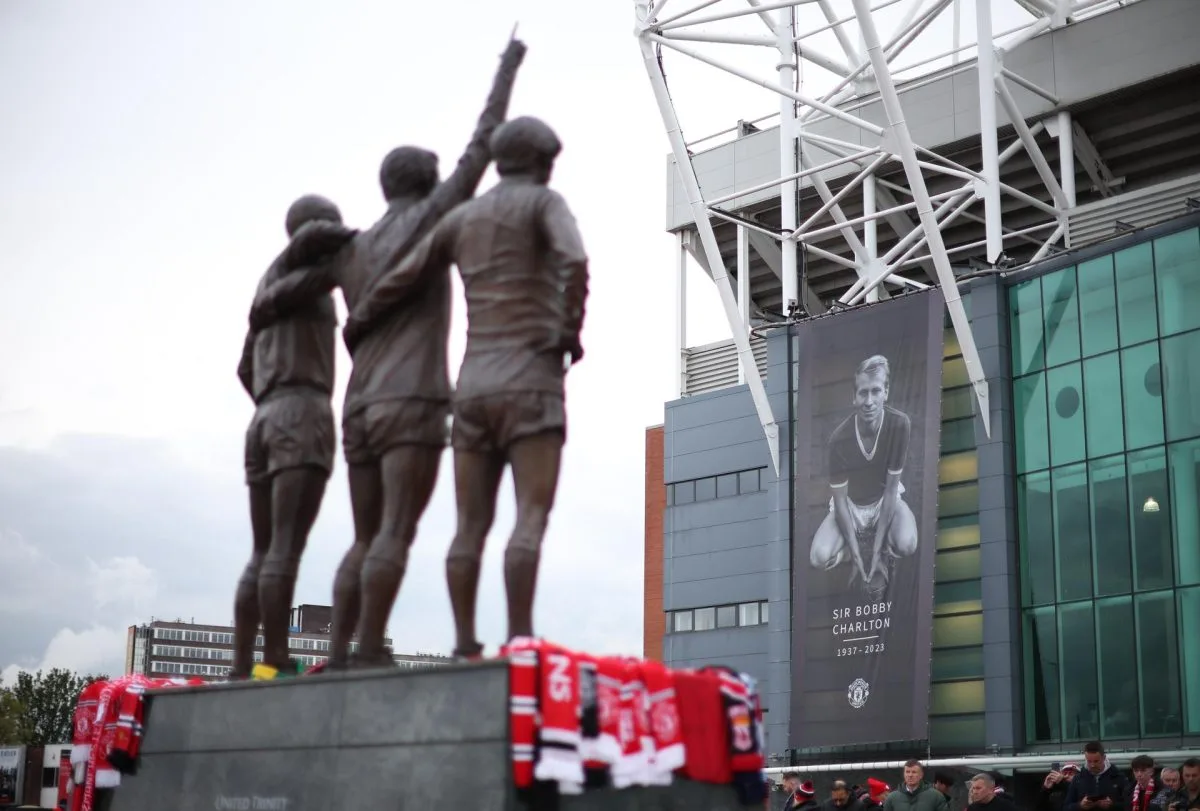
{"x":492,"y":422}
{"x":292,"y":429}
{"x":370,"y":432}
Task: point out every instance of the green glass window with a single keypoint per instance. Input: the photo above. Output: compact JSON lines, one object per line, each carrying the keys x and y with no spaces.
{"x":1025,"y":310}
{"x":954,"y":373}
{"x":958,"y":500}
{"x":1064,"y":385}
{"x":959,"y":663}
{"x":1060,"y":310}
{"x":1189,"y":611}
{"x":957,"y":532}
{"x":1109,"y":491}
{"x":1158,"y":662}
{"x":1032,"y":435}
{"x":1117,"y":671}
{"x":1153,"y":561}
{"x":1141,"y":385}
{"x":957,"y":564}
{"x":1097,"y":306}
{"x":1136,"y":317}
{"x":958,"y":467}
{"x":1035,"y":526}
{"x":950,"y":345}
{"x":1072,"y":532}
{"x":958,"y":435}
{"x":1177,"y":262}
{"x":956,"y":698}
{"x":1043,"y":719}
{"x":1181,"y":383}
{"x":957,"y":403}
{"x":1105,"y":413}
{"x":1080,"y":700}
{"x":958,"y":631}
{"x":957,"y":598}
{"x":1184,"y":510}
{"x":957,"y":732}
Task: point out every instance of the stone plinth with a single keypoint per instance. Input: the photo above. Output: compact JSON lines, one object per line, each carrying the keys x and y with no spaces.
{"x":425,"y":739}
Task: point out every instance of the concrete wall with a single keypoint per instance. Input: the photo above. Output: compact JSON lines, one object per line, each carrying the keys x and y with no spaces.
{"x":734,"y":549}
{"x":656,"y":507}
{"x":715,"y":551}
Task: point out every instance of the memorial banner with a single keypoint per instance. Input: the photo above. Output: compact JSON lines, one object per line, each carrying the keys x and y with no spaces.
{"x":867,"y":428}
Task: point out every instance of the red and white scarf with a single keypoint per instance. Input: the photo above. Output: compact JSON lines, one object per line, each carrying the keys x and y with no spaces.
{"x":1137,"y":793}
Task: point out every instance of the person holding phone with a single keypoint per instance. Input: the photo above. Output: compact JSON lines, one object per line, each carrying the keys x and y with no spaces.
{"x":1187,"y":798}
{"x":1100,"y":786}
{"x":1054,"y":787}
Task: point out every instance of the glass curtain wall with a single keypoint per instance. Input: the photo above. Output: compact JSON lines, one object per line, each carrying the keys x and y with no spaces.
{"x":956,"y":693}
{"x":1106,"y":400}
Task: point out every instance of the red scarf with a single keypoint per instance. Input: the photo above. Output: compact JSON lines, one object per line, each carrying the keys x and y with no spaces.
{"x":1137,"y":793}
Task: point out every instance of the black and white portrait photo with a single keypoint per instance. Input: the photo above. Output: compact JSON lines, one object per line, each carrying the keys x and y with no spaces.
{"x":869,"y":524}
{"x":867,"y":426}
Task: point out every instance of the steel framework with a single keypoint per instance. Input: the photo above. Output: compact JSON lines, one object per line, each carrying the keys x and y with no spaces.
{"x":867,"y":69}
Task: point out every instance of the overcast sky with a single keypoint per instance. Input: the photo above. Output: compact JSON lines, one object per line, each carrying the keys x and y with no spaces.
{"x":149,"y":153}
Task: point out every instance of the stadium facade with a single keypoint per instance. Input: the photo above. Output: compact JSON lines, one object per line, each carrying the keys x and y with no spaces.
{"x":1053,"y":219}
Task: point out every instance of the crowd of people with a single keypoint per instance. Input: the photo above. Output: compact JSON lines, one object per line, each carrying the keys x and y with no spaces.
{"x":1101,"y":785}
{"x":1098,"y":786}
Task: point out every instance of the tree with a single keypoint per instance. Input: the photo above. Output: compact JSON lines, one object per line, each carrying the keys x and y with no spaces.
{"x":48,"y":704}
{"x":12,"y":718}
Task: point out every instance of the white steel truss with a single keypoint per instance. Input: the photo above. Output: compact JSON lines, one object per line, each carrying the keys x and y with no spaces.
{"x":866,"y":69}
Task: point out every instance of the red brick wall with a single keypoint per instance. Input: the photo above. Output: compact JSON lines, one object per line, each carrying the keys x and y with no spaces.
{"x":656,"y":503}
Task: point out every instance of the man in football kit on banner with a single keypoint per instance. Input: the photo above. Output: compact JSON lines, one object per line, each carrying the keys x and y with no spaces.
{"x":524,"y":272}
{"x":867,"y":454}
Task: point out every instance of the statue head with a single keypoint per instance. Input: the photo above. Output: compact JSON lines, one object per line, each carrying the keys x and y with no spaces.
{"x":408,"y":171}
{"x":525,"y":146}
{"x":308,"y":208}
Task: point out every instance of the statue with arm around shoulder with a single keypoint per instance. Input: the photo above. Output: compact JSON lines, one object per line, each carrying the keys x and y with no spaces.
{"x":524,"y":272}
{"x":398,"y":396}
{"x":287,"y":368}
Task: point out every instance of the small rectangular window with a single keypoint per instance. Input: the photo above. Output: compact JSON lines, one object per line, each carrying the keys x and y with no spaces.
{"x":685,"y":492}
{"x":727,"y":485}
{"x":670,"y":494}
{"x":727,"y":616}
{"x":683,"y":621}
{"x":762,"y":612}
{"x":749,"y":481}
{"x":49,"y":778}
{"x":748,"y":614}
{"x":706,"y":618}
{"x":706,"y":489}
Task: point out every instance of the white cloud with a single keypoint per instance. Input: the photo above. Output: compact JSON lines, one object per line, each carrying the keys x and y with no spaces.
{"x":98,"y":649}
{"x":122,"y":581}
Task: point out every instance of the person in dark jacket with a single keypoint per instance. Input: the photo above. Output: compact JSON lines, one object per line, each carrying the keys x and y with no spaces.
{"x":943,"y":782}
{"x":915,"y":794}
{"x":1054,"y":788}
{"x":1100,"y":786}
{"x":984,"y":796}
{"x":840,"y":799}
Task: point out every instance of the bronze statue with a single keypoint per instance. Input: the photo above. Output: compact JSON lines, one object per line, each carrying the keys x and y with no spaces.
{"x":525,"y":275}
{"x":287,"y":368}
{"x":398,"y":396}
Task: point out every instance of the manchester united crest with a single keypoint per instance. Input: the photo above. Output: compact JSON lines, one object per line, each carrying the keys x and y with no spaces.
{"x":665,"y":721}
{"x":858,"y":693}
